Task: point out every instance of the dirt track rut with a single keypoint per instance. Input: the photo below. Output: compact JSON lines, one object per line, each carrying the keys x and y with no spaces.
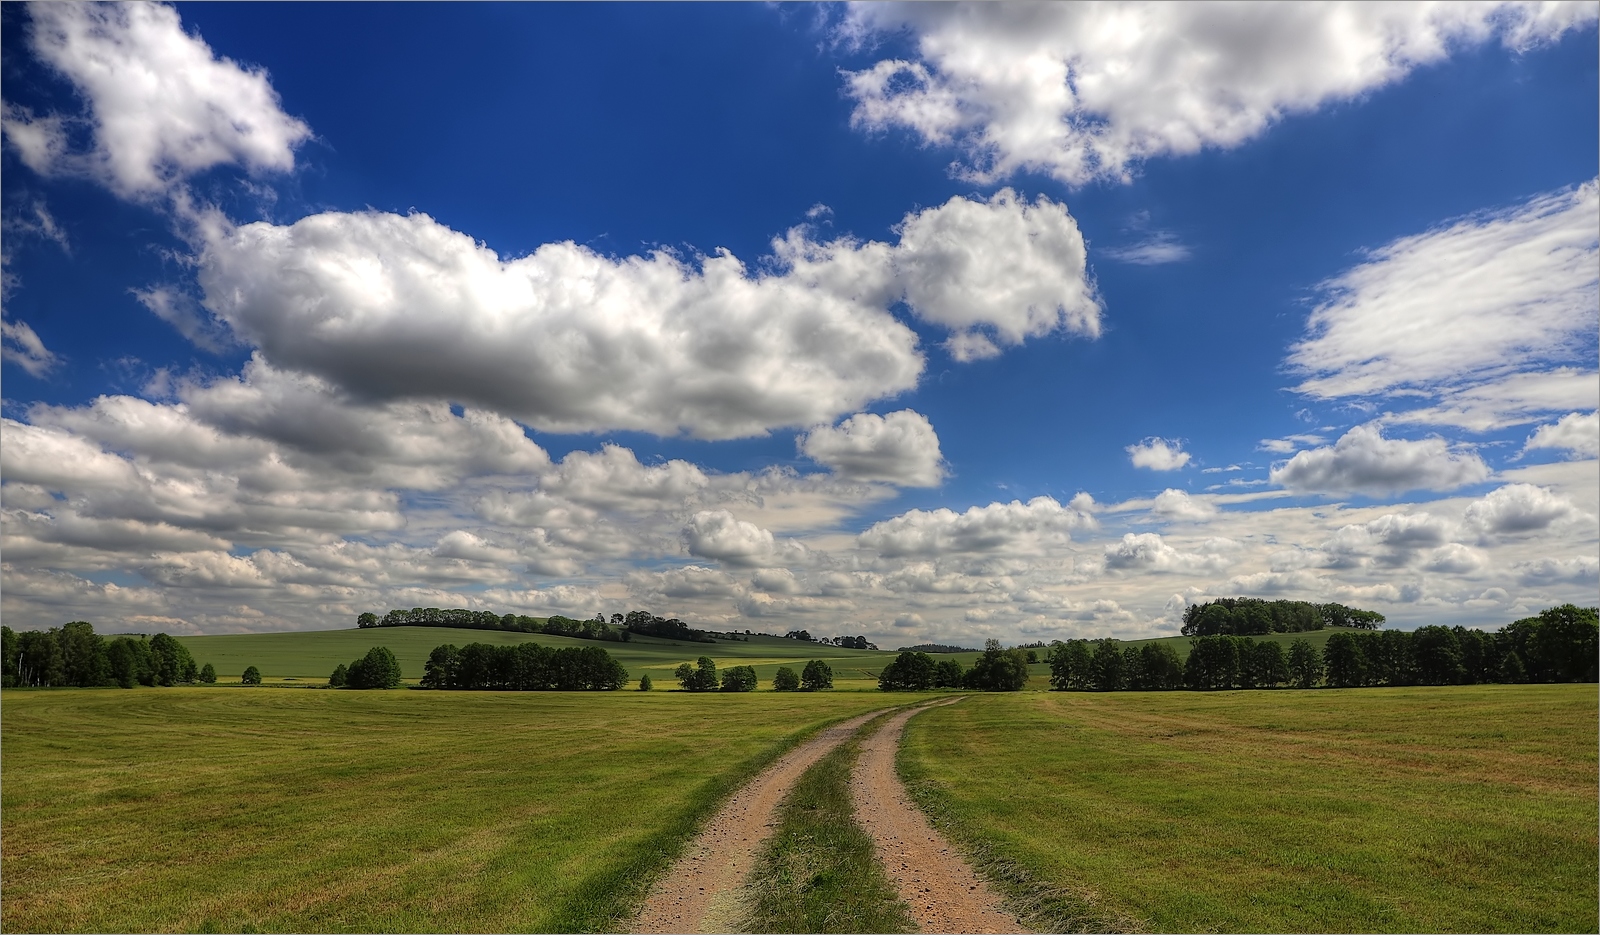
{"x":944,"y":892}
{"x":701,"y":891}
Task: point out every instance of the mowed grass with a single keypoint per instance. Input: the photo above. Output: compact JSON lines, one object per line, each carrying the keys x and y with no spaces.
{"x":1424,"y":809}
{"x":310,"y":655}
{"x":191,"y":809}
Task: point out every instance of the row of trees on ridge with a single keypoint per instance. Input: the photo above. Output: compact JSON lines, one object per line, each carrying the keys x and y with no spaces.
{"x":1559,"y":645}
{"x":1249,"y":616}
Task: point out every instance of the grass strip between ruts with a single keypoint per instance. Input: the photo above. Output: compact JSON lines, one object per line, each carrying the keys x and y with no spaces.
{"x":820,"y":873}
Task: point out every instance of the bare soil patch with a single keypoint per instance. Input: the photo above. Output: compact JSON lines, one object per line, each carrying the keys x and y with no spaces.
{"x":944,"y":892}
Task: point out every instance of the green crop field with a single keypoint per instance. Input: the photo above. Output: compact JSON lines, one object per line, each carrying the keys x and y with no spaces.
{"x":1466,"y":808}
{"x":310,"y":655}
{"x":230,"y":809}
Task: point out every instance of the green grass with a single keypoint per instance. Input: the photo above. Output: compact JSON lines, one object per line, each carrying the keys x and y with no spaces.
{"x":310,"y":655}
{"x":820,"y":872}
{"x":188,"y":809}
{"x":1408,"y":809}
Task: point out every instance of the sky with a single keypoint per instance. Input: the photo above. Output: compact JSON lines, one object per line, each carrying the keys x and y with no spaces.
{"x":920,"y":322}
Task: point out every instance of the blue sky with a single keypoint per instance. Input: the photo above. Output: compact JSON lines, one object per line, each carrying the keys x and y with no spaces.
{"x":924,"y":322}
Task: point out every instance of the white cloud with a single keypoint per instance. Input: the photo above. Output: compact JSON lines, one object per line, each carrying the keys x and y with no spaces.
{"x":20,"y":345}
{"x":1158,"y":454}
{"x":1157,"y":249}
{"x":1088,"y":90}
{"x":1514,"y":400}
{"x":718,"y":534}
{"x":1148,"y":551}
{"x":161,"y":105}
{"x":1289,"y":444}
{"x":1473,"y":301}
{"x":998,"y":527}
{"x":1576,"y":432}
{"x":1176,"y":504}
{"x":1518,"y":509}
{"x":1455,"y":559}
{"x":1363,"y":461}
{"x":900,"y":448}
{"x":567,"y":340}
{"x":997,"y":272}
{"x":1580,"y":568}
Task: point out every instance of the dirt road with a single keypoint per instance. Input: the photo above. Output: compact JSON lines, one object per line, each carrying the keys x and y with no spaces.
{"x":944,"y":892}
{"x":701,"y":893}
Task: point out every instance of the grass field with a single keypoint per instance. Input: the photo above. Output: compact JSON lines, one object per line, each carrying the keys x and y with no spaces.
{"x":194,"y":809}
{"x":310,"y":655}
{"x":1423,"y":809}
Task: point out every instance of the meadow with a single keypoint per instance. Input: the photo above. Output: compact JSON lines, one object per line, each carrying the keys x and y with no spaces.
{"x":1468,"y":808}
{"x":228,"y":809}
{"x":310,"y":655}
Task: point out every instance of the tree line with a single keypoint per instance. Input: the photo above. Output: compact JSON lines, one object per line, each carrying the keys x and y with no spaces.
{"x":73,"y":655}
{"x":1558,"y":645}
{"x":997,"y":670}
{"x":460,"y":618}
{"x":522,"y":667}
{"x":847,"y":642}
{"x":1249,"y":616}
{"x":703,"y":676}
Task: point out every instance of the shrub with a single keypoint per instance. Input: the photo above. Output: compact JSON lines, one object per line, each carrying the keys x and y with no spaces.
{"x":251,"y":676}
{"x":377,"y":669}
{"x":645,"y":684}
{"x":208,"y":674}
{"x":816,"y":676}
{"x":340,"y":677}
{"x":786,"y":680}
{"x":738,"y":679}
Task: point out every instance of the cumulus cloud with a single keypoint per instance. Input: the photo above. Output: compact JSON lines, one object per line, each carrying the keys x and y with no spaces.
{"x":1088,"y":90}
{"x":1158,"y":454}
{"x":1394,"y":539}
{"x":390,"y":306}
{"x":997,"y":272}
{"x":1473,"y":302}
{"x":161,"y":106}
{"x":900,"y":448}
{"x":1178,"y":505}
{"x":998,"y":527}
{"x":1148,"y":551}
{"x":1518,"y":509}
{"x":1363,"y":461}
{"x":718,"y":534}
{"x":1580,"y":568}
{"x":1576,"y":433}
